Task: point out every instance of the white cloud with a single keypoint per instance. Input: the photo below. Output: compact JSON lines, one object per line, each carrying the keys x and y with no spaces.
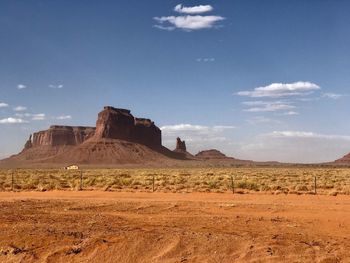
{"x":205,"y":59}
{"x":223,"y":127}
{"x":3,"y":105}
{"x":197,"y":137}
{"x":34,"y":117}
{"x":193,"y":9}
{"x":268,"y":106}
{"x":303,"y":135}
{"x":183,"y":127}
{"x":294,"y":146}
{"x":20,"y":108}
{"x":38,"y":117}
{"x":64,"y":117}
{"x":333,"y":96}
{"x":291,"y":113}
{"x":196,"y":128}
{"x":60,"y":86}
{"x":21,"y":86}
{"x":11,"y":120}
{"x":168,"y":28}
{"x":188,"y":22}
{"x":276,"y":90}
{"x":262,"y":120}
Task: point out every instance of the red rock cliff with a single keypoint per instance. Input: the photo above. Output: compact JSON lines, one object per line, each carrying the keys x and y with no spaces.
{"x":114,"y":123}
{"x":59,"y":136}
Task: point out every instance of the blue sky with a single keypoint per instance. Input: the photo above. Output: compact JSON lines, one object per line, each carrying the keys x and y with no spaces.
{"x":263,"y":80}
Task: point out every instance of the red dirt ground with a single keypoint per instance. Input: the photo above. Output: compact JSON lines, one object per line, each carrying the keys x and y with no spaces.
{"x":158,"y":227}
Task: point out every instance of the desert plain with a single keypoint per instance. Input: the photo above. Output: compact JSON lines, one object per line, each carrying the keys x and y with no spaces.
{"x":175,"y":215}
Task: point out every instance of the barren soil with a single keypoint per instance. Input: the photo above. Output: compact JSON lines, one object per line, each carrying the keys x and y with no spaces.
{"x":92,"y":226}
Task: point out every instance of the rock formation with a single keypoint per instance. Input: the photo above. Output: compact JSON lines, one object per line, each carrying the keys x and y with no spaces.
{"x":119,"y":138}
{"x":60,"y":136}
{"x":344,"y":160}
{"x":180,"y":145}
{"x":212,"y":154}
{"x":114,"y":123}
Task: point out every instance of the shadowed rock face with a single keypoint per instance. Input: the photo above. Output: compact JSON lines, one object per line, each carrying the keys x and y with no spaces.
{"x":114,"y":123}
{"x":60,"y":136}
{"x":180,"y":145}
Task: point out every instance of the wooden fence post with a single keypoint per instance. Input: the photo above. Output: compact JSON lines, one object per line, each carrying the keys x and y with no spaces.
{"x":153,"y":184}
{"x":12,"y":181}
{"x":81,"y":180}
{"x":232,"y":185}
{"x":315,"y":185}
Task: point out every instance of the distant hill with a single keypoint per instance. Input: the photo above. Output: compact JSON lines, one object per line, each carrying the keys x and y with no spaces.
{"x":344,"y":160}
{"x":212,"y":154}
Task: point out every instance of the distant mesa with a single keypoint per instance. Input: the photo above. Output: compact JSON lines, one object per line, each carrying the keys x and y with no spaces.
{"x":60,"y":136}
{"x":344,"y":160}
{"x":212,"y":154}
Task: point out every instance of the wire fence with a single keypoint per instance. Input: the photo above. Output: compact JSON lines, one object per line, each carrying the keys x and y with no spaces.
{"x":236,"y":181}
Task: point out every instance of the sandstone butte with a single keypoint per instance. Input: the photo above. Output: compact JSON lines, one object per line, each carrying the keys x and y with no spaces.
{"x":118,"y":138}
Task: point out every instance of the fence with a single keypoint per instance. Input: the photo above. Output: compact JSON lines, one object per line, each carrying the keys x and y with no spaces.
{"x":240,"y":180}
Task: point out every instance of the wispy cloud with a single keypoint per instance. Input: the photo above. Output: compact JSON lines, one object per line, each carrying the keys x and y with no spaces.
{"x":307,"y":135}
{"x":11,"y":120}
{"x":21,"y":86}
{"x":194,"y":128}
{"x":38,"y":117}
{"x":268,"y":106}
{"x":64,"y":117}
{"x":291,"y":113}
{"x":262,"y":120}
{"x":277,"y":90}
{"x":20,"y":108}
{"x":190,"y":21}
{"x":205,"y":60}
{"x":3,"y":105}
{"x":294,"y":146}
{"x":34,"y":117}
{"x":60,"y":86}
{"x":333,"y":96}
{"x":199,"y":9}
{"x":197,"y":137}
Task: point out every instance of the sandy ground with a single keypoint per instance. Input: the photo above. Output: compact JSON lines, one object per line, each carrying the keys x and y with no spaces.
{"x":162,"y":227}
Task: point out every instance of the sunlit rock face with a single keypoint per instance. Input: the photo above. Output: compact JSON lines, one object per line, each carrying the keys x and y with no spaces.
{"x":114,"y":123}
{"x":60,"y":136}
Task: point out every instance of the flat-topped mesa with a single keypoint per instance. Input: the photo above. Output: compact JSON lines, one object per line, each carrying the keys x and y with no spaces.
{"x":212,"y":154}
{"x":58,"y":135}
{"x":114,"y":123}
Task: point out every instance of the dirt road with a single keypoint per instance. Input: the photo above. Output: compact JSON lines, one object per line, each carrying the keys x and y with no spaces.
{"x":157,"y":227}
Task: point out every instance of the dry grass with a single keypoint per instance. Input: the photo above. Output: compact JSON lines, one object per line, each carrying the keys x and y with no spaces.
{"x":330,"y":181}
